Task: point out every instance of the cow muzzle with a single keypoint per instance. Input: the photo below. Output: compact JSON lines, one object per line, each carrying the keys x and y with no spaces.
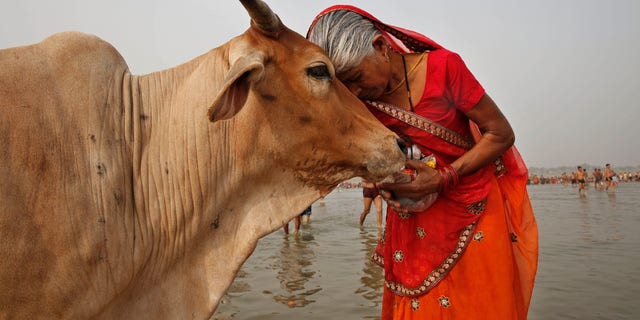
{"x":387,"y":162}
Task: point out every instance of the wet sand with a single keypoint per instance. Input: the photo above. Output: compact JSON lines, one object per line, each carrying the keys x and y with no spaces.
{"x":589,"y":261}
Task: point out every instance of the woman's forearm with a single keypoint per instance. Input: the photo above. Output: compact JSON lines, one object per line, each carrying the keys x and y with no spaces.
{"x":497,"y":137}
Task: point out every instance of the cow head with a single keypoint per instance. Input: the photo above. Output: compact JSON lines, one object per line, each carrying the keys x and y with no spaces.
{"x":288,"y":85}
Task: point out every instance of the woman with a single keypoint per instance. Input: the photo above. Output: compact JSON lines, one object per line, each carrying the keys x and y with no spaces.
{"x":473,"y":253}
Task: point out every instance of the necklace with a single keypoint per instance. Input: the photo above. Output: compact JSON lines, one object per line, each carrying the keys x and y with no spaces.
{"x":406,"y":73}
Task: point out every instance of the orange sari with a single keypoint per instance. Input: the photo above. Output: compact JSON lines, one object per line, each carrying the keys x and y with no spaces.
{"x":494,"y":277}
{"x":445,"y":263}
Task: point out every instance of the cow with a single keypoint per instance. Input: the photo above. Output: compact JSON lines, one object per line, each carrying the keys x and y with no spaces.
{"x":140,"y":196}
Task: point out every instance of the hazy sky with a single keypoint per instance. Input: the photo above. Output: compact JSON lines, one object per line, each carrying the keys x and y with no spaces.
{"x":566,"y":73}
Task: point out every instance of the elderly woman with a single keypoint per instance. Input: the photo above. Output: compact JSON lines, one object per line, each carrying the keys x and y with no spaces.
{"x":471,"y":254}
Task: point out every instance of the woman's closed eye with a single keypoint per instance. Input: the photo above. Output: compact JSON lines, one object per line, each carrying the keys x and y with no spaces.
{"x":353,"y":79}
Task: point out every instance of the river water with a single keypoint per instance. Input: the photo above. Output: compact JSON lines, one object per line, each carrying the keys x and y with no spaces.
{"x":589,"y":263}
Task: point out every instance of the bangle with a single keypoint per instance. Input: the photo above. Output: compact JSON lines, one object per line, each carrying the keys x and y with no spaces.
{"x":450,"y":178}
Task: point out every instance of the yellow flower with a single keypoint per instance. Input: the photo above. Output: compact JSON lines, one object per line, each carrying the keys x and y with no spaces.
{"x":430,"y":161}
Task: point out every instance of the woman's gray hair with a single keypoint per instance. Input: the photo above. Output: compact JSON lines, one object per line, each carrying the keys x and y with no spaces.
{"x":346,"y":36}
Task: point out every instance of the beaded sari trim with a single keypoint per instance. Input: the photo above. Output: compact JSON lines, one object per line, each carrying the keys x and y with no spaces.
{"x":425,"y":124}
{"x":433,"y":128}
{"x":437,"y":274}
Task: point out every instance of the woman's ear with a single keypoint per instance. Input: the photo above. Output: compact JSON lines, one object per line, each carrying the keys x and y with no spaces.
{"x":380,"y":46}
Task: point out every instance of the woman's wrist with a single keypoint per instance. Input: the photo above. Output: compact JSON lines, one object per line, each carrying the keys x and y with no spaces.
{"x":450,"y":178}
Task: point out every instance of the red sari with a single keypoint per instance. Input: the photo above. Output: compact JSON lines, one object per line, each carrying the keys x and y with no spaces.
{"x":473,"y":253}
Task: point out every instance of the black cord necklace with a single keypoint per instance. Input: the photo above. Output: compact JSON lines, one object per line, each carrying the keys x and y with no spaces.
{"x":406,"y":81}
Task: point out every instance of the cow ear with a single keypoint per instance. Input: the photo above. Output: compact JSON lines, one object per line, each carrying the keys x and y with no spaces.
{"x":235,"y":89}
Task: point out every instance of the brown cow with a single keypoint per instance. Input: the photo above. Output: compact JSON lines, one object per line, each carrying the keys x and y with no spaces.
{"x":125,"y":196}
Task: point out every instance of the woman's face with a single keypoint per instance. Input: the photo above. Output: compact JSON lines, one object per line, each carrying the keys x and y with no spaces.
{"x":370,"y":79}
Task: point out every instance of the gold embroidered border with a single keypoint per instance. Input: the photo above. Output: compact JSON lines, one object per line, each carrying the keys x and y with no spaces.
{"x":377,"y":259}
{"x":437,"y":274}
{"x":500,"y":167}
{"x":425,"y":124}
{"x":477,"y":207}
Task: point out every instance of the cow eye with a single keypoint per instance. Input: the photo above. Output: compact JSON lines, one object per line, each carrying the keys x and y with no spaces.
{"x":319,"y":72}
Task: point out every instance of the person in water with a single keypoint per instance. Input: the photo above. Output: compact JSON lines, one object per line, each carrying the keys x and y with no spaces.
{"x":370,"y":194}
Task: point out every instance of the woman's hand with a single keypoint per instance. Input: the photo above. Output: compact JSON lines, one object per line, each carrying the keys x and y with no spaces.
{"x":427,"y":181}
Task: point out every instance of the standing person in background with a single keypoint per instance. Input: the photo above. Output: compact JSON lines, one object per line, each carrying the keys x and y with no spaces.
{"x":610,"y":178}
{"x":581,"y":177}
{"x":564,"y":178}
{"x":297,"y":221}
{"x":305,"y":216}
{"x":597,"y":178}
{"x":370,"y":194}
{"x":473,"y":253}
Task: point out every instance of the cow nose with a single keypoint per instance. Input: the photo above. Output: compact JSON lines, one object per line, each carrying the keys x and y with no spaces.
{"x":402,"y":145}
